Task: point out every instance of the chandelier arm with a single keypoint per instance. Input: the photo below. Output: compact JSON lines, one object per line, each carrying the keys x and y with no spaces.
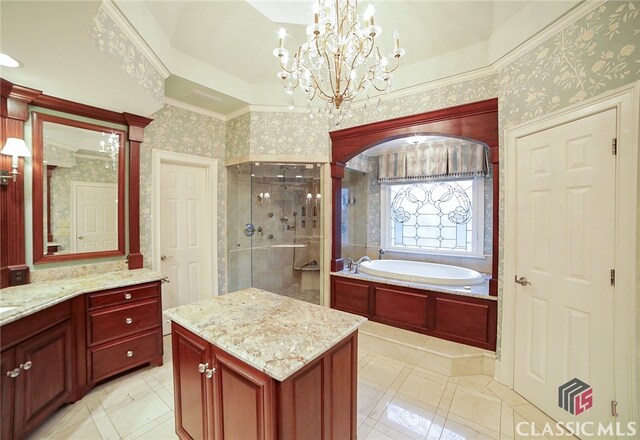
{"x":318,"y":88}
{"x":395,"y":67}
{"x":283,"y":67}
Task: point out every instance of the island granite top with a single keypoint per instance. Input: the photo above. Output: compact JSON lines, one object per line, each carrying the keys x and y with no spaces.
{"x":20,"y":301}
{"x":272,"y":333}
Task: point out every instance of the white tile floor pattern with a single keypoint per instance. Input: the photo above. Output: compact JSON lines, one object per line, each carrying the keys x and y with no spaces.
{"x":396,"y":400}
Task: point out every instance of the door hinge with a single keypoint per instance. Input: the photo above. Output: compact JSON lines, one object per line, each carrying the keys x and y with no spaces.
{"x":613,"y":277}
{"x":614,"y":146}
{"x":614,"y":408}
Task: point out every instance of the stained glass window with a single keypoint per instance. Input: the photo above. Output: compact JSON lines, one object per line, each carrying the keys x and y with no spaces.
{"x":434,"y":216}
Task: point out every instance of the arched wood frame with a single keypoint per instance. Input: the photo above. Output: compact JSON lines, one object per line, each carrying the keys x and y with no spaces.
{"x":477,"y":121}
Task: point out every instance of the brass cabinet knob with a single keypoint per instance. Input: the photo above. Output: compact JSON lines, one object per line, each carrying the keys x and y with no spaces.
{"x":128,"y":320}
{"x":202,"y":367}
{"x":129,"y":353}
{"x":209,"y":373}
{"x":127,"y":296}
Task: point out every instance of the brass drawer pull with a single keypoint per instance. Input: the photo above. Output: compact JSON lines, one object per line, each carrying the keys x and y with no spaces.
{"x":128,"y":320}
{"x":129,"y":353}
{"x":127,"y":296}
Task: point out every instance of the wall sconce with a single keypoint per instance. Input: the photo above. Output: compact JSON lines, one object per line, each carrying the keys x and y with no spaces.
{"x":264,"y":197}
{"x":14,"y":147}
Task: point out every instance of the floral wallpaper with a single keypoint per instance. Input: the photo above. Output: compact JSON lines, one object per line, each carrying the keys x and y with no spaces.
{"x":84,"y":170}
{"x":288,"y":133}
{"x":183,"y":131}
{"x":237,"y":136}
{"x":108,"y":36}
{"x":592,"y":55}
{"x":455,"y":94}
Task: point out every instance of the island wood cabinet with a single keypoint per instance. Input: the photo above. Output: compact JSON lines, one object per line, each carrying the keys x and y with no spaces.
{"x":55,"y":356}
{"x":464,"y":319}
{"x":218,"y":396}
{"x":37,"y":369}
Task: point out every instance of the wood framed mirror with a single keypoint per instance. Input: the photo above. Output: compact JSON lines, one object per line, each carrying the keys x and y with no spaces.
{"x":78,"y":189}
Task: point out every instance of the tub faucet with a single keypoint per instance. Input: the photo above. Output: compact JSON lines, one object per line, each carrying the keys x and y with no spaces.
{"x":349,"y":264}
{"x":356,"y":265}
{"x":381,"y":252}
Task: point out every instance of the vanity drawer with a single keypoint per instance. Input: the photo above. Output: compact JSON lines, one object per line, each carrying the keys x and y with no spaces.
{"x":115,"y":322}
{"x":113,"y":358}
{"x":122,"y":296}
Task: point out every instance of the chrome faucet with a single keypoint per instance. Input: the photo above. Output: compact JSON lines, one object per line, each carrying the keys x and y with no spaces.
{"x":381,"y":252}
{"x":357,"y":263}
{"x":349,"y":264}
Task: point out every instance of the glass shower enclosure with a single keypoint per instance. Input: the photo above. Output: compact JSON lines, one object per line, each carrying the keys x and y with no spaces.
{"x":274,"y":228}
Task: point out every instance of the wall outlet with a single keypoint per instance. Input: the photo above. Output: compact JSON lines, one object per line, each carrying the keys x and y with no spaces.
{"x":18,"y":275}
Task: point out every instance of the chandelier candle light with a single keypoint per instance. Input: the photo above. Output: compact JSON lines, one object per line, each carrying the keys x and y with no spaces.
{"x":340,"y":59}
{"x":110,"y":144}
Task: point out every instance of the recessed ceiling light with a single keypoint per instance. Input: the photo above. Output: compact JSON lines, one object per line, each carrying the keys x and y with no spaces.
{"x":299,"y":177}
{"x":279,"y":175}
{"x":7,"y":61}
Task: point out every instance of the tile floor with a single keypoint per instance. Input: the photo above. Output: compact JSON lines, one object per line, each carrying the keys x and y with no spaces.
{"x":396,"y":400}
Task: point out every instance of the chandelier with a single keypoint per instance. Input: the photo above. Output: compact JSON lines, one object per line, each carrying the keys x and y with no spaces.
{"x":340,"y":59}
{"x":110,"y":144}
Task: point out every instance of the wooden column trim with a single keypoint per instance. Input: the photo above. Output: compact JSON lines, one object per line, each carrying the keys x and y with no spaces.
{"x":14,"y":101}
{"x":136,"y":137}
{"x":337,"y":174}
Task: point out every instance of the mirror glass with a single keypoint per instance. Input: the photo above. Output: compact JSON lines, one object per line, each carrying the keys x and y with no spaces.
{"x":81,"y":188}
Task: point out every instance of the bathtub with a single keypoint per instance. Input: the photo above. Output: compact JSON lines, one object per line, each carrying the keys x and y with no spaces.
{"x":418,"y":272}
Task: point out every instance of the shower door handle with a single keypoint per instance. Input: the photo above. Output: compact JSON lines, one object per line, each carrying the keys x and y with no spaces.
{"x":249,"y":229}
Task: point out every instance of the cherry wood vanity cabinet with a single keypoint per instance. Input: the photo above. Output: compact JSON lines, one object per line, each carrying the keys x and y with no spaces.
{"x":124,"y":330}
{"x":37,"y":369}
{"x":218,"y":396}
{"x":55,"y":356}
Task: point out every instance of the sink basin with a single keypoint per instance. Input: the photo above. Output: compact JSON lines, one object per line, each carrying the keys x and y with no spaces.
{"x":6,"y":309}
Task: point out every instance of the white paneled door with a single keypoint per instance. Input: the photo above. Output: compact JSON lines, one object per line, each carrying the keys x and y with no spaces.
{"x":565,"y":249}
{"x":95,"y":226}
{"x":185,"y":235}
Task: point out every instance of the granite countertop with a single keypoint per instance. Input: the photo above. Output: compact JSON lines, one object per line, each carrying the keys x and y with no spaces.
{"x":31,"y":298}
{"x":477,"y":291}
{"x":273,"y":333}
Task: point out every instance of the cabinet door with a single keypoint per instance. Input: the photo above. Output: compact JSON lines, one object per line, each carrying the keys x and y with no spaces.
{"x":46,"y":379}
{"x":7,"y":365}
{"x":192,"y":391}
{"x":245,"y":400}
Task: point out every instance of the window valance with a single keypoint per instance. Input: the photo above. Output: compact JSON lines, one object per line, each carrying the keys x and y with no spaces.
{"x":434,"y":161}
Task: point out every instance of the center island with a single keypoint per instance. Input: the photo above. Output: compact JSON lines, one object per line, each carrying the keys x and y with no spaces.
{"x":255,"y":365}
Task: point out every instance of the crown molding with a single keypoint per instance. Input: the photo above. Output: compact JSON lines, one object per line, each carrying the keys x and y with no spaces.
{"x":237,"y":113}
{"x":436,"y":84}
{"x":195,"y":109}
{"x":114,"y":13}
{"x":570,"y":17}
